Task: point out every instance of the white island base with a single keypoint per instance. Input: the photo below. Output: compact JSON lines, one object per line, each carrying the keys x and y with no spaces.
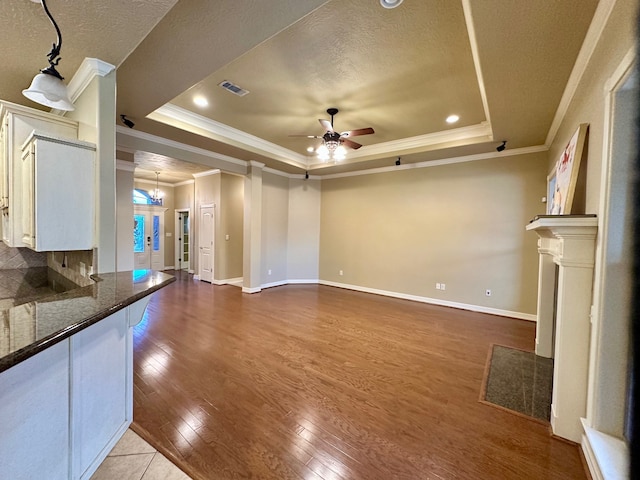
{"x":64,"y":409}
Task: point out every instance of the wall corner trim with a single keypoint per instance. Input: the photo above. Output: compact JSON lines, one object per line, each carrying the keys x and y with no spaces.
{"x":89,"y":68}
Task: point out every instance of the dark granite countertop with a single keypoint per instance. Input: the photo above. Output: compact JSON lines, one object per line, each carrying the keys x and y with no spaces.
{"x":40,"y":316}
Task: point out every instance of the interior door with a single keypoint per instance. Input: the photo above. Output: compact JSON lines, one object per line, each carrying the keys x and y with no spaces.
{"x":206,"y":244}
{"x":183,"y":240}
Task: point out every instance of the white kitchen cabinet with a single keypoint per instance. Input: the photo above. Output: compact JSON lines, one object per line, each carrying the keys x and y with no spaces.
{"x":17,"y":123}
{"x":58,"y":200}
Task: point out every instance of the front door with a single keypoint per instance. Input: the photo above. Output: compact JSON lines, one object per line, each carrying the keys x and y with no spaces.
{"x":206,"y":244}
{"x":148,"y":241}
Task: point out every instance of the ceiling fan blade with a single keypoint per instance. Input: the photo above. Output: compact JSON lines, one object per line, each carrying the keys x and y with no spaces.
{"x":306,"y":136}
{"x":359,"y":131}
{"x":351,"y":143}
{"x":326,"y":124}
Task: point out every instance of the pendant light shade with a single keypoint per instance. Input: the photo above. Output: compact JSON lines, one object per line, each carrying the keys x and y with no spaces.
{"x":49,"y":90}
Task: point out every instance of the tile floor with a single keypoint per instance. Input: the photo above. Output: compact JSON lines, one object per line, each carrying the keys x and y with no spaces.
{"x":134,"y":459}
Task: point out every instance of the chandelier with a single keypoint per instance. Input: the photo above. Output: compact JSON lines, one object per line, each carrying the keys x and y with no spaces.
{"x":156,"y":194}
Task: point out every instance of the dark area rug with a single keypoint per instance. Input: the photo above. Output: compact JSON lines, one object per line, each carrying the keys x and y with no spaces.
{"x":519,"y":381}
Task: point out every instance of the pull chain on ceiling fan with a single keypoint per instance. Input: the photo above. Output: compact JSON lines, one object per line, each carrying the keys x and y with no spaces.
{"x":334,"y":143}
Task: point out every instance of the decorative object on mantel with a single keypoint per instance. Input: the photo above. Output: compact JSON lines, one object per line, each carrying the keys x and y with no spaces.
{"x":46,"y":87}
{"x":561,"y":182}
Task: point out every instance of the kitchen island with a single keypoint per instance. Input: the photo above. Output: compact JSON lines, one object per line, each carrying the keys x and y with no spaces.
{"x":66,"y":372}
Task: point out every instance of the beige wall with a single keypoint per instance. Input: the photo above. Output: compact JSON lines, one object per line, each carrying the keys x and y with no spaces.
{"x":462,"y":225}
{"x":303,"y":237}
{"x":230,"y":248}
{"x":184,"y":196}
{"x":275,"y":213}
{"x":124,"y":222}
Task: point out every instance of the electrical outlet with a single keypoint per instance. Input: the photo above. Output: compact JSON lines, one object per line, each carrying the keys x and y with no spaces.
{"x":487,"y":292}
{"x":83,"y":269}
{"x":437,"y":286}
{"x":269,"y":272}
{"x":341,"y":273}
{"x":443,"y":286}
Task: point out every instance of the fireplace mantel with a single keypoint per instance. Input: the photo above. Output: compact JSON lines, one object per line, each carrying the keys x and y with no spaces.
{"x":563,"y":316}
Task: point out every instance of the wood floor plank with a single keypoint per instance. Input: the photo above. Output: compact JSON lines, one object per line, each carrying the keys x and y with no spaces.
{"x":308,"y":381}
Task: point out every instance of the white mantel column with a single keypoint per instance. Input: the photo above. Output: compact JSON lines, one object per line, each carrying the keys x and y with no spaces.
{"x":568,"y":242}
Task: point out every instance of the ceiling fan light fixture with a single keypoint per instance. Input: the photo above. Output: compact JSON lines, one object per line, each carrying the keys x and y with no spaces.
{"x":390,"y":3}
{"x":340,"y":153}
{"x":323,"y":153}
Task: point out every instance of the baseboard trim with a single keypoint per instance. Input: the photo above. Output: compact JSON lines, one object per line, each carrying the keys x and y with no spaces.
{"x":196,"y":277}
{"x":251,"y":290}
{"x":434,"y":301}
{"x":279,"y":283}
{"x":302,"y":281}
{"x":170,"y":267}
{"x":228,"y":281}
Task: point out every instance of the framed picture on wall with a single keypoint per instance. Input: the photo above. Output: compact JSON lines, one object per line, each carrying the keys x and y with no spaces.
{"x":561,"y":182}
{"x":552,"y":199}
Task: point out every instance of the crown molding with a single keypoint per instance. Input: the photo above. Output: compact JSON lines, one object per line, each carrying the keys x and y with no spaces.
{"x":600,"y":18}
{"x":444,"y":161}
{"x":215,"y":171}
{"x":152,"y":182}
{"x":123,"y":131}
{"x":396,"y":147}
{"x":297,"y":176}
{"x":124,"y":165}
{"x":181,"y":118}
{"x":184,"y":182}
{"x":87,"y":71}
{"x":471,"y":30}
{"x":253,"y":163}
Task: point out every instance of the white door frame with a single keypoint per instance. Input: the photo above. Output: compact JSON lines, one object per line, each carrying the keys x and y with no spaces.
{"x":178,"y":236}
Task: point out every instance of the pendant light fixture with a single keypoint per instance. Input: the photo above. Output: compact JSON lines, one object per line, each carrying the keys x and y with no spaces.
{"x":156,"y":195}
{"x":47,"y":87}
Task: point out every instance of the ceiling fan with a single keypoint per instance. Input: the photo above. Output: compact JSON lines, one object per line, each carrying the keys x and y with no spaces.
{"x":333,"y":142}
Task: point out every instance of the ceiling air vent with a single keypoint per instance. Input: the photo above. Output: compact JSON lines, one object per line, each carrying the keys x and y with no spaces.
{"x":241,"y":92}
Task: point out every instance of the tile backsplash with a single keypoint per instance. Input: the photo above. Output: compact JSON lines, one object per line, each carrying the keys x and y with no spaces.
{"x":72,"y":268}
{"x":12,"y":258}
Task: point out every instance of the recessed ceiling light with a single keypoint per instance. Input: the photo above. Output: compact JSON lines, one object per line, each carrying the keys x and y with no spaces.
{"x":390,"y":3}
{"x":201,"y":101}
{"x":311,"y":149}
{"x":453,"y":118}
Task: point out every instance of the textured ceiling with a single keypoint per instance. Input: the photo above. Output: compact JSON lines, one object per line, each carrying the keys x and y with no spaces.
{"x":501,"y":65}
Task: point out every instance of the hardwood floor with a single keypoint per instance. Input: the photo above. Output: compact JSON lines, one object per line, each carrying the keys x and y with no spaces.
{"x":316,"y":382}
